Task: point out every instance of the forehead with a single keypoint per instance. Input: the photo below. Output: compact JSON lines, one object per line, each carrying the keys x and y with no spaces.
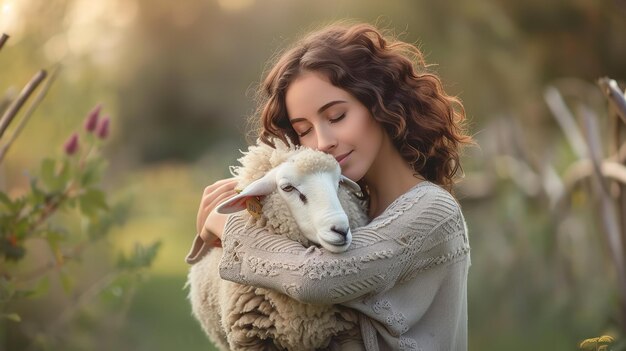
{"x":308,"y":92}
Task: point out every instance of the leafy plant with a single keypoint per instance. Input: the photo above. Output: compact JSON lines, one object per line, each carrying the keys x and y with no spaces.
{"x":66,"y":209}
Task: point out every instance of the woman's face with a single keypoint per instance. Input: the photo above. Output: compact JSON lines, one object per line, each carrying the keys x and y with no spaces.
{"x":330,"y":119}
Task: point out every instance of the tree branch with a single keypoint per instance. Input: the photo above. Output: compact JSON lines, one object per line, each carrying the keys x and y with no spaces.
{"x":566,"y":121}
{"x":21,"y":99}
{"x":42,"y":94}
{"x":608,"y":210}
{"x":616,"y":98}
{"x":3,"y":39}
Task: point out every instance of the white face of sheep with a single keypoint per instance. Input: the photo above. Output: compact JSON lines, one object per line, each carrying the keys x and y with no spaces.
{"x":312,"y":199}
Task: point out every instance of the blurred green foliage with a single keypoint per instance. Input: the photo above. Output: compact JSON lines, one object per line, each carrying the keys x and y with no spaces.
{"x":181,"y":81}
{"x":62,"y":194}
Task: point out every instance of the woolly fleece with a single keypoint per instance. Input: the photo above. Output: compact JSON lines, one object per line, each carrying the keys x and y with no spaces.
{"x":240,"y":317}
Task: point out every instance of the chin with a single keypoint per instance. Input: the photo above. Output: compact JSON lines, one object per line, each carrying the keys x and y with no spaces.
{"x":354,"y":175}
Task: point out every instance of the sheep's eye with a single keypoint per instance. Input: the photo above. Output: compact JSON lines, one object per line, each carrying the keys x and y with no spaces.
{"x":287,"y":188}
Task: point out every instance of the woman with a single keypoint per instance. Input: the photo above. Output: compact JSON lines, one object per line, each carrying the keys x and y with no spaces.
{"x":367,"y":100}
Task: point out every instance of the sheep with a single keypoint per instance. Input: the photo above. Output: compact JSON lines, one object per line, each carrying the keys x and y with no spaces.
{"x":303,"y":201}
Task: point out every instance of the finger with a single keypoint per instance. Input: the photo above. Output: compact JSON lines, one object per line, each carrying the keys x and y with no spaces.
{"x":219,"y":183}
{"x":207,"y":207}
{"x":209,"y":203}
{"x":208,"y":197}
{"x":223,"y":197}
{"x":204,"y":211}
{"x":228,"y":186}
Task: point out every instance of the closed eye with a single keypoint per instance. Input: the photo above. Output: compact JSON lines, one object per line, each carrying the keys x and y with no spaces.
{"x":304,"y":133}
{"x":337,"y":119}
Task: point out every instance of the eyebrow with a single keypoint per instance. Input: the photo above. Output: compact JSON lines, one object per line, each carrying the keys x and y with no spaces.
{"x":319,"y":111}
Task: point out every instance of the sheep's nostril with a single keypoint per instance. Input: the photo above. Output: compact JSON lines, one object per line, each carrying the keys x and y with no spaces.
{"x":342,"y":232}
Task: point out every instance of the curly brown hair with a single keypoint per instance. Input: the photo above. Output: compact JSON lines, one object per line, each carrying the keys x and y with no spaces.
{"x":386,"y":75}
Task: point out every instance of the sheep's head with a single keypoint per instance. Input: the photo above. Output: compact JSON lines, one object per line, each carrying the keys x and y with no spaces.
{"x":308,"y":183}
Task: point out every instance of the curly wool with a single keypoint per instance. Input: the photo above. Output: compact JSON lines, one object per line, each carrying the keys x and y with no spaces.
{"x":241,"y":317}
{"x":254,"y":316}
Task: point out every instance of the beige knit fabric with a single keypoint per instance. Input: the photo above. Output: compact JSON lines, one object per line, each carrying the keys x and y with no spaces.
{"x":405,"y":272}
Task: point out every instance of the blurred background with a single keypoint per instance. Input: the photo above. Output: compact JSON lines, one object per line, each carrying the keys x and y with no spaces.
{"x":178,"y":82}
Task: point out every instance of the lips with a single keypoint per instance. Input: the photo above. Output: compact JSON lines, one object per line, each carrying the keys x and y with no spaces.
{"x":342,"y":156}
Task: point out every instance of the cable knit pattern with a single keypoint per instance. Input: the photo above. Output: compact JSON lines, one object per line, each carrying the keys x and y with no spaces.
{"x":405,"y":272}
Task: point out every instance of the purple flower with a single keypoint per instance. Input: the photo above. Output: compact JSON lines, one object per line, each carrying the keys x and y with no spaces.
{"x":92,"y":119}
{"x":71,"y":145}
{"x":103,"y":129}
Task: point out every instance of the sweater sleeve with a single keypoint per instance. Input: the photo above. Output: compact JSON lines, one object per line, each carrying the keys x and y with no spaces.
{"x":385,"y":251}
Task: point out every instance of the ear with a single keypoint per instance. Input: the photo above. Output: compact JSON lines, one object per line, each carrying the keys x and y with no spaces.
{"x":260,"y":187}
{"x":350,"y":184}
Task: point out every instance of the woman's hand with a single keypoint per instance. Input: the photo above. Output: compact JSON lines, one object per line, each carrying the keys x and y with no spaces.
{"x":209,"y":223}
{"x":208,"y":220}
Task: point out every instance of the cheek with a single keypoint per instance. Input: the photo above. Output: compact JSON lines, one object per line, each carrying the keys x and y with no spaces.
{"x":373,"y":143}
{"x":374,"y":132}
{"x":368,"y":125}
{"x":308,"y":141}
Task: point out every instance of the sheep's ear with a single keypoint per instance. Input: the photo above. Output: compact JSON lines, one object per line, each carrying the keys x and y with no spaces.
{"x":232,"y":205}
{"x":259,"y":187}
{"x":350,"y":184}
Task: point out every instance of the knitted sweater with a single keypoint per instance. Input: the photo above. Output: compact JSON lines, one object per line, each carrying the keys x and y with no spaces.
{"x":405,"y":272}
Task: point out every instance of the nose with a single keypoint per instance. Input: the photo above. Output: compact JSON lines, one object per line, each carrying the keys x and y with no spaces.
{"x":340,"y":231}
{"x":326,"y":140}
